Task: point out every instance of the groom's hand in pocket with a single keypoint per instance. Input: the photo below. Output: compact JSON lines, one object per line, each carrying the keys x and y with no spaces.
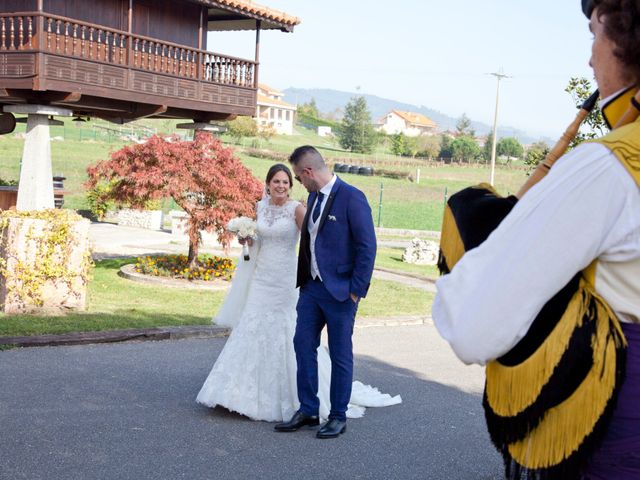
{"x":354,"y":298}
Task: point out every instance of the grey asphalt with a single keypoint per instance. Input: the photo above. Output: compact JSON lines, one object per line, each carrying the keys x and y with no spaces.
{"x":111,"y":240}
{"x":128,"y":411}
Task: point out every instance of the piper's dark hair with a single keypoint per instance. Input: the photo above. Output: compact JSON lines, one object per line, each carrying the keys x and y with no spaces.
{"x":621,"y":20}
{"x":279,"y":167}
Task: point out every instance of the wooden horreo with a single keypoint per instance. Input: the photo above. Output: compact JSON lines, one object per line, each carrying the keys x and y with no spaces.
{"x":119,"y":60}
{"x":123,"y":60}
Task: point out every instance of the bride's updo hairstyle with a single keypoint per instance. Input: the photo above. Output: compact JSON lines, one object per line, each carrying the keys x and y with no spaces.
{"x":279,"y":167}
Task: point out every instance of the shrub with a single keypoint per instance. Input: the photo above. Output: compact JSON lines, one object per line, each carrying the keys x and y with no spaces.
{"x":97,"y":200}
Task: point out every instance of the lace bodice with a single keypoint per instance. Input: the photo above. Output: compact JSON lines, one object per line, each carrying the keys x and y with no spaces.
{"x":277,"y":237}
{"x":270,"y":213}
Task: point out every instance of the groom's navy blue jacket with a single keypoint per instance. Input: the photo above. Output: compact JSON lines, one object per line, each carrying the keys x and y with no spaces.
{"x":345,"y":244}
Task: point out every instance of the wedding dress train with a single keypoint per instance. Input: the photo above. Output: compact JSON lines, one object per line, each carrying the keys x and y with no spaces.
{"x":255,"y":374}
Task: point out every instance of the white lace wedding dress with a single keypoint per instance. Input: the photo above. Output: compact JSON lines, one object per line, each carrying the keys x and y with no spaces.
{"x":255,"y":374}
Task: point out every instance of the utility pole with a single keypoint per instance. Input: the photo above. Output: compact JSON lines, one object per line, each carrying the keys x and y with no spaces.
{"x":361,"y":126}
{"x":499,"y":76}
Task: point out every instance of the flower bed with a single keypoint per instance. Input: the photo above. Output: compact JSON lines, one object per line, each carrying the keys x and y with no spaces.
{"x":177,"y":266}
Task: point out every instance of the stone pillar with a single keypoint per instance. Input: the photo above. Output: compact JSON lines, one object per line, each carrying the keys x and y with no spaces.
{"x":35,"y":278}
{"x":35,"y":191}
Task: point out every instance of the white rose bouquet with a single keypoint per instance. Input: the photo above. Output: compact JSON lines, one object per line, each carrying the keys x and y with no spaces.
{"x":245,"y":228}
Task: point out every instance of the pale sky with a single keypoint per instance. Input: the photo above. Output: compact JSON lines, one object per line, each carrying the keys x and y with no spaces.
{"x":432,"y":53}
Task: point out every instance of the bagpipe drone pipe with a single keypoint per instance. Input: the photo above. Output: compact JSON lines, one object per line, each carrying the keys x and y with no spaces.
{"x":548,"y":400}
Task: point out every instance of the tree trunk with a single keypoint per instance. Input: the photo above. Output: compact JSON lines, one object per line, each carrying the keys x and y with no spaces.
{"x":193,"y":251}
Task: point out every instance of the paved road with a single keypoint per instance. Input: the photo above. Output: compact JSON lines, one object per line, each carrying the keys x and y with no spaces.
{"x":127,"y":411}
{"x":110,"y":240}
{"x":422,"y":283}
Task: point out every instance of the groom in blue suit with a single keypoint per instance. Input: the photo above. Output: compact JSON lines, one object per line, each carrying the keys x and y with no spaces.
{"x":335,"y":264}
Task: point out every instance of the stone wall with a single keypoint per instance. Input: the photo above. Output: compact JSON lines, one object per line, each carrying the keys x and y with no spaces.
{"x":22,"y":288}
{"x":180,"y":225}
{"x":151,"y":219}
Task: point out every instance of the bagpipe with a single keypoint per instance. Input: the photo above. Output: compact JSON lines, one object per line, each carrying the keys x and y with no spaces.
{"x":548,"y":400}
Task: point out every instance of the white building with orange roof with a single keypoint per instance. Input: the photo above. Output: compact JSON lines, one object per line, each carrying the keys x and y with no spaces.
{"x":409,"y":123}
{"x":273,"y":111}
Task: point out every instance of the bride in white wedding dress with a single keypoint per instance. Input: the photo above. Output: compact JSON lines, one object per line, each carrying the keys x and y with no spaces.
{"x":255,"y":374}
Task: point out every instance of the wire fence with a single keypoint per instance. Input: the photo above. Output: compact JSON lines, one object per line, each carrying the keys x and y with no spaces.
{"x":96,"y":132}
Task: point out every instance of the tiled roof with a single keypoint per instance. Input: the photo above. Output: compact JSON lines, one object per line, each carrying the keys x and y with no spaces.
{"x":268,"y":89}
{"x":274,"y":102}
{"x":415,"y":118}
{"x":269,"y":13}
{"x":281,"y":19}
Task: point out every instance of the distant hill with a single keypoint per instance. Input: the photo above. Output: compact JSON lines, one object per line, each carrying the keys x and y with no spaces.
{"x":329,"y":101}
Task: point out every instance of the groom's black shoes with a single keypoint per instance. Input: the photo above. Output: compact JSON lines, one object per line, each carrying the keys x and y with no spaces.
{"x":298,"y":420}
{"x":332,"y":428}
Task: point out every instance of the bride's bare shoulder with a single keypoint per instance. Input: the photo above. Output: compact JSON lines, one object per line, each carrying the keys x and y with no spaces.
{"x":300,"y":212}
{"x":296,"y":205}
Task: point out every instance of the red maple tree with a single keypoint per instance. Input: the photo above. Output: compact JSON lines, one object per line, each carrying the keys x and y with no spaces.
{"x":202,"y":176}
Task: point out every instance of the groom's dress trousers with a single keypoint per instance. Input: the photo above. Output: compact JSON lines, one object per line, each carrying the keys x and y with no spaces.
{"x":336,"y":259}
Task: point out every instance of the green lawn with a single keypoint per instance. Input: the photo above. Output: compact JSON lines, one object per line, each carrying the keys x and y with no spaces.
{"x":117,"y":303}
{"x":70,"y":159}
{"x":405,"y":204}
{"x":388,"y":299}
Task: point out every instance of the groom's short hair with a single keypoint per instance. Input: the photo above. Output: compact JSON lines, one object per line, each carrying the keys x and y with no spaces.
{"x":311,"y":156}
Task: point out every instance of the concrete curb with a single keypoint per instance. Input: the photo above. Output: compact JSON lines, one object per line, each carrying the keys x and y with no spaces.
{"x":128,"y":272}
{"x":111,"y":336}
{"x":417,"y":276}
{"x":171,"y":333}
{"x":405,"y":232}
{"x":422,"y":283}
{"x":393,"y":321}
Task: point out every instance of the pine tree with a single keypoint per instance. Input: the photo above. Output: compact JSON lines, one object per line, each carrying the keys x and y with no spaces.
{"x":463,"y":126}
{"x":357,"y":133}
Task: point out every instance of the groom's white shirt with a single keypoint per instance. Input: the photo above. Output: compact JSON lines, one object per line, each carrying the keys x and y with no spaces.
{"x":313,"y":226}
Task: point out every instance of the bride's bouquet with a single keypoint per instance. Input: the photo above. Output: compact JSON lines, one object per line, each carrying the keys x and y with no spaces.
{"x":244,"y":228}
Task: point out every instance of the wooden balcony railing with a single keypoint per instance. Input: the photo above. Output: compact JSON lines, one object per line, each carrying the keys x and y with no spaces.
{"x":32,"y":31}
{"x":17,"y":32}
